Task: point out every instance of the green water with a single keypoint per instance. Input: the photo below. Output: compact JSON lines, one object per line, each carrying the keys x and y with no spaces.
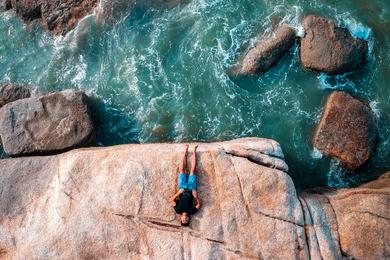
{"x":159,"y":76}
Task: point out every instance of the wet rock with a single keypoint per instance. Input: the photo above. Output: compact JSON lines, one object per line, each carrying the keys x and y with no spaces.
{"x":267,"y":52}
{"x":60,"y":16}
{"x":29,"y":10}
{"x":57,"y":16}
{"x":12,"y":92}
{"x":330,"y":49}
{"x":113,"y":202}
{"x":347,"y":130}
{"x":47,"y":124}
{"x":5,"y":4}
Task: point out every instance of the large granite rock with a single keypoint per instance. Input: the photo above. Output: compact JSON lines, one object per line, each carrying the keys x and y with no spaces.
{"x":352,"y":223}
{"x":347,"y":130}
{"x":267,"y":52}
{"x":331,"y":49}
{"x":47,"y":124}
{"x":113,"y":203}
{"x":12,"y":92}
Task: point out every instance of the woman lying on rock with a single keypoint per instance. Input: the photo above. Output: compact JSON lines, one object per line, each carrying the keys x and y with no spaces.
{"x":186,"y":201}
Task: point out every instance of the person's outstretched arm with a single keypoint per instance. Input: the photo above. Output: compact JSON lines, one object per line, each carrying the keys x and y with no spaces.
{"x":197,"y":200}
{"x":173,"y":198}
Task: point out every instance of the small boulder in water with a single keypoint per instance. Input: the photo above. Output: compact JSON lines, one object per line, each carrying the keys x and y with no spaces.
{"x":347,"y":130}
{"x":267,"y":52}
{"x":330,"y":49}
{"x":12,"y":92}
{"x":47,"y":124}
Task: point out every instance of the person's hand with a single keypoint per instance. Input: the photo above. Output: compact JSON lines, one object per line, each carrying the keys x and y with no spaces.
{"x":197,"y":203}
{"x":173,"y":203}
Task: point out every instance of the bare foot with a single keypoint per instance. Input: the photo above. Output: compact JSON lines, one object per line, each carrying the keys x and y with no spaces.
{"x":187,"y":146}
{"x":195,"y":147}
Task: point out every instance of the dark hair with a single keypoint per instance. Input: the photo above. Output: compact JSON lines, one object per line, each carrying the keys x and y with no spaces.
{"x":185,"y":224}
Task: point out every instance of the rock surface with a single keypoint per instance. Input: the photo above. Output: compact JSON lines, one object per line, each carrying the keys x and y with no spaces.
{"x":47,"y":124}
{"x":12,"y":92}
{"x":347,"y":130}
{"x":328,"y":48}
{"x":57,"y":16}
{"x":28,"y":10}
{"x":5,"y":4}
{"x":61,"y":16}
{"x":113,"y":203}
{"x":267,"y":52}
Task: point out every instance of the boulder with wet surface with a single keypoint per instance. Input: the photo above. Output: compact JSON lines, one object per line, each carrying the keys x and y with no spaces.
{"x":347,"y":130}
{"x":266,"y":53}
{"x":329,"y":48}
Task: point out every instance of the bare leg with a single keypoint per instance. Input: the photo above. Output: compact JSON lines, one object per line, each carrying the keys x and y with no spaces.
{"x":182,"y":168}
{"x":193,"y":160}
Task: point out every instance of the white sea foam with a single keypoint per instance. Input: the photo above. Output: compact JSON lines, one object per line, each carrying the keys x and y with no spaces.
{"x":316,"y":154}
{"x":375,"y":108}
{"x":293,"y":18}
{"x":337,"y":82}
{"x":357,"y":29}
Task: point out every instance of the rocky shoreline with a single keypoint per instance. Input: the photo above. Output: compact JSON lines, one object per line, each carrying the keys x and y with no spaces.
{"x":112,"y":202}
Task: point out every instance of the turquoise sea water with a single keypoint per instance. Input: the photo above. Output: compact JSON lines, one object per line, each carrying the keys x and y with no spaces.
{"x":160,"y":76}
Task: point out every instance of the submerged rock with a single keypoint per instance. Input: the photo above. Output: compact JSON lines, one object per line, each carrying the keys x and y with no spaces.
{"x":12,"y":92}
{"x":347,"y":130}
{"x":5,"y":4}
{"x":113,"y":202}
{"x":267,"y":52}
{"x":331,"y":49}
{"x":47,"y":124}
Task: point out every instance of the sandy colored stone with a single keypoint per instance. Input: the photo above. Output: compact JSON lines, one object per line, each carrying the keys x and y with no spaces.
{"x":347,"y":130}
{"x":330,"y":49}
{"x":113,"y":203}
{"x":47,"y":124}
{"x":363,"y":217}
